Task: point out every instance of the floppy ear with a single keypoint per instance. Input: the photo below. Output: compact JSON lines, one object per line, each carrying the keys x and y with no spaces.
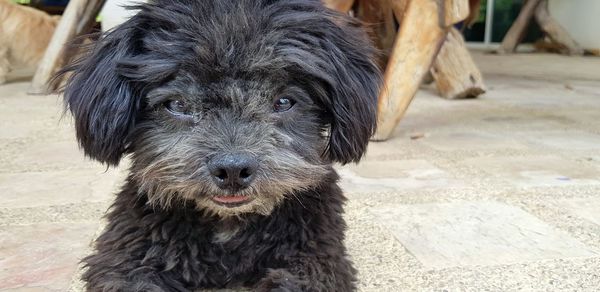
{"x":103,"y":103}
{"x":353,"y":90}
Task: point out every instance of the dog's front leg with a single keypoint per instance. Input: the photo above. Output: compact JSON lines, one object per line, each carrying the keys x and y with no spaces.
{"x":310,"y":274}
{"x":109,"y":284}
{"x":280,"y":280}
{"x":126,"y":260}
{"x":128,"y":276}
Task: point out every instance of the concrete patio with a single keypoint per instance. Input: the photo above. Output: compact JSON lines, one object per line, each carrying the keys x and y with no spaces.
{"x":499,"y":193}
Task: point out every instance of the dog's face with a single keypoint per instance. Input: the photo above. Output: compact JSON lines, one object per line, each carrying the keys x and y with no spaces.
{"x":232,"y":105}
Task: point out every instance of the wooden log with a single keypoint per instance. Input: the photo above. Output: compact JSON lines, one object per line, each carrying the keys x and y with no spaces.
{"x":456,"y":11}
{"x":474,"y":8}
{"x":88,"y":17}
{"x":555,"y":31}
{"x":454,"y":71}
{"x":399,"y":8}
{"x":73,"y":50}
{"x":517,"y":30}
{"x":417,"y":42}
{"x":77,"y":12}
{"x":595,"y":52}
{"x":379,"y":17}
{"x":340,"y":5}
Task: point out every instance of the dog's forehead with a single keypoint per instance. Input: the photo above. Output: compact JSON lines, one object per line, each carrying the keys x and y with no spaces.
{"x":192,"y":86}
{"x":236,"y":39}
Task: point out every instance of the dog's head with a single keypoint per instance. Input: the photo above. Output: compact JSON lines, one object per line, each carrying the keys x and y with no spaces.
{"x":233,"y":105}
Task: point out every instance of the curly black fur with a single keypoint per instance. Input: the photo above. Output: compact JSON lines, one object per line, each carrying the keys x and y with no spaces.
{"x":297,"y":247}
{"x":223,"y":63}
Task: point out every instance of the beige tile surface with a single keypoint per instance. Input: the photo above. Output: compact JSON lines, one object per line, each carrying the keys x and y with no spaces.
{"x":41,"y":256}
{"x":588,"y":209}
{"x":446,"y":235}
{"x":534,"y":171}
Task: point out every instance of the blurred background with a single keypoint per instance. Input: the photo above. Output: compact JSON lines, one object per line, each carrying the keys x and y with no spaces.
{"x":484,"y":173}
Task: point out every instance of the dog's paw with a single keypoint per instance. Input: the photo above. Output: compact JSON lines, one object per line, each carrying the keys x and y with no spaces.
{"x":279,"y":280}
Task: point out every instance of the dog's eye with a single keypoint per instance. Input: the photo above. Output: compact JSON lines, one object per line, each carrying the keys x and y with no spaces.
{"x":283,"y":104}
{"x":176,"y":106}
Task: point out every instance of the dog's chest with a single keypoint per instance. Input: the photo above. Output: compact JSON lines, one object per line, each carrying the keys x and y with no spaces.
{"x":224,"y":234}
{"x":229,"y":257}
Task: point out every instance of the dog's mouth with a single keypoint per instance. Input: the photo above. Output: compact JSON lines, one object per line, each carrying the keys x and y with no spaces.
{"x":231,"y":200}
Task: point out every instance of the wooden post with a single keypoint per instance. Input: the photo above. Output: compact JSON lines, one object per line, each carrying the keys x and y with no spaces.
{"x":455,"y":11}
{"x":399,"y":8}
{"x":379,"y":16}
{"x":555,"y":31}
{"x":454,"y":71}
{"x":73,"y":49}
{"x":517,"y":29}
{"x":474,"y":6}
{"x":418,"y":40}
{"x":340,"y":5}
{"x":76,"y":14}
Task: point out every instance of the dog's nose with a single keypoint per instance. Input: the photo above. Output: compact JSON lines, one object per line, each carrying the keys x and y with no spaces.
{"x":235,"y":171}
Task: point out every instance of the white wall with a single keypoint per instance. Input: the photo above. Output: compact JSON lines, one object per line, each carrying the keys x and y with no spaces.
{"x":113,"y":13}
{"x":581,"y":18}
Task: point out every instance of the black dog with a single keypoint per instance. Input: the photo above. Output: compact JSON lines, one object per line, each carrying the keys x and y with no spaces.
{"x":232,"y":112}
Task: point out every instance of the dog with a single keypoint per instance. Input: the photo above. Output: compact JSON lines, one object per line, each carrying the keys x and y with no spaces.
{"x":24,"y":35}
{"x":232,"y":113}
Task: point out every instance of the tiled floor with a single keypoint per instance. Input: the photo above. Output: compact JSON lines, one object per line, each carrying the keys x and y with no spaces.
{"x":42,"y":255}
{"x":476,"y":233}
{"x":502,"y":193}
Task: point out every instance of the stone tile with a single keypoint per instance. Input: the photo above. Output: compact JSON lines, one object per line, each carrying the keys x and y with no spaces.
{"x":34,"y":189}
{"x":42,"y":257}
{"x":23,"y":115}
{"x":588,"y":209}
{"x":543,"y":66}
{"x":540,"y":95}
{"x":514,"y":121}
{"x":395,"y":146}
{"x":476,"y":233}
{"x":29,"y":289}
{"x":12,"y":130}
{"x":46,"y":155}
{"x":469,"y":140}
{"x":536,"y":171}
{"x":564,"y":140}
{"x":373,"y":176}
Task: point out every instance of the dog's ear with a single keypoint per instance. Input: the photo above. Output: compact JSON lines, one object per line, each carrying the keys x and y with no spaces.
{"x":353,"y":91}
{"x":102,"y":101}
